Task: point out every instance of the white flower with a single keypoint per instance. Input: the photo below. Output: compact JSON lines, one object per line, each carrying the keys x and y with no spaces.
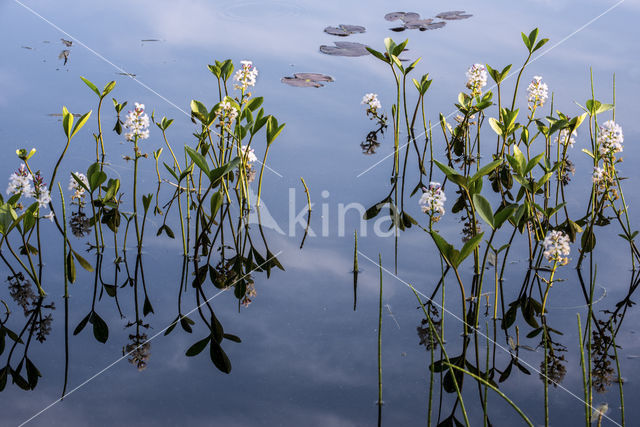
{"x":371,"y":99}
{"x":137,"y":123}
{"x":538,"y":92}
{"x":21,"y":182}
{"x":249,"y":155}
{"x":227,"y":110}
{"x":49,"y":216}
{"x":610,"y":138}
{"x":562,"y":137}
{"x":476,"y":78}
{"x":245,"y":76}
{"x":78,"y":191}
{"x":432,"y":200}
{"x":598,"y":175}
{"x":556,"y":247}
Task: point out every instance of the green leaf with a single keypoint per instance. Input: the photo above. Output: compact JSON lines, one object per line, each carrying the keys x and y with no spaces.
{"x":197,"y":348}
{"x":91,"y":86}
{"x":217,"y":173}
{"x":484,"y":209}
{"x":67,"y":121}
{"x":520,"y":159}
{"x":503,"y":214}
{"x":378,"y":55}
{"x":273,"y":129}
{"x":100,"y":328}
{"x":485,"y":170}
{"x":216,"y":202}
{"x":83,"y":262}
{"x":219,"y":357}
{"x":71,"y":268}
{"x":108,"y":88}
{"x":199,"y":111}
{"x":198,"y":159}
{"x":452,"y":174}
{"x":81,"y":122}
{"x":469,"y":247}
{"x":446,"y":250}
{"x":495,"y":125}
{"x":81,"y":325}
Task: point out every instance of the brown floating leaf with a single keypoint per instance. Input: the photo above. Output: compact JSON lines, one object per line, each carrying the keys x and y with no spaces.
{"x":418,"y":24}
{"x":410,"y":16}
{"x":292,"y":81}
{"x":345,"y":49}
{"x":453,"y":15}
{"x":394,"y":16}
{"x":344,"y":30}
{"x":306,"y":80}
{"x":317,"y":77}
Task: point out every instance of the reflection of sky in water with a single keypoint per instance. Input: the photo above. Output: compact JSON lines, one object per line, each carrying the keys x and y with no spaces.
{"x":306,"y":358}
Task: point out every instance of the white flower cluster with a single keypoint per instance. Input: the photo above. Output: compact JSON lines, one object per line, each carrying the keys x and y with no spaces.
{"x":78,"y":191}
{"x":227,"y":110}
{"x":371,"y":99}
{"x":245,"y":76}
{"x":610,"y":138}
{"x":538,"y":92}
{"x":556,"y":247}
{"x":599,"y":175}
{"x":476,"y":78}
{"x":23,"y":183}
{"x":137,"y":123}
{"x":432,"y":199}
{"x":564,"y":138}
{"x":248,"y":154}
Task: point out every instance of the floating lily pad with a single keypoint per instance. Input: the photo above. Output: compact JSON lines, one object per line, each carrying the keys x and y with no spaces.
{"x":317,"y":77}
{"x":453,"y":15}
{"x":344,"y":30}
{"x":394,"y":16}
{"x":418,"y":24}
{"x":410,"y":16}
{"x":306,"y":80}
{"x":433,"y":26}
{"x":292,"y":81}
{"x":412,"y":20}
{"x":345,"y":49}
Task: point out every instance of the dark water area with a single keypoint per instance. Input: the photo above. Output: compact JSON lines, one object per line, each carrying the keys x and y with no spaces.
{"x":306,"y":356}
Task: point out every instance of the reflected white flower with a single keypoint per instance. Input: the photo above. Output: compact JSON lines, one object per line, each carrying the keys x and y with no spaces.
{"x":556,"y":247}
{"x":21,"y":182}
{"x":137,"y":123}
{"x":538,"y":92}
{"x":476,"y":78}
{"x":432,"y":199}
{"x":371,"y":99}
{"x":245,"y":76}
{"x":249,"y":155}
{"x":610,"y":138}
{"x":562,"y":137}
